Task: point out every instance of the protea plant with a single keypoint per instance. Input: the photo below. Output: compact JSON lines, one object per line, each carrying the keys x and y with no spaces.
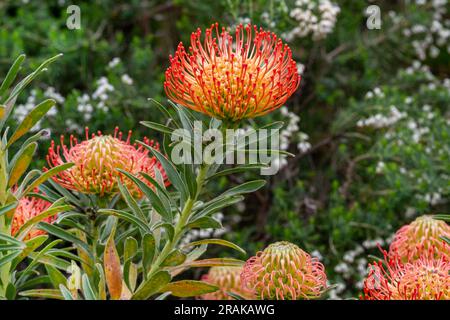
{"x":425,"y":278}
{"x":228,"y":280}
{"x":232,"y":76}
{"x":97,"y":160}
{"x":416,"y":238}
{"x":283,"y":271}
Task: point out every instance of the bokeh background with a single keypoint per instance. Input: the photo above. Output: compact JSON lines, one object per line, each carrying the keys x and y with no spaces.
{"x":370,"y":124}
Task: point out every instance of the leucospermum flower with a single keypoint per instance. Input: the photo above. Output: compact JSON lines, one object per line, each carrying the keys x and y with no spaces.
{"x":97,"y":159}
{"x":28,"y":208}
{"x":283,"y":271}
{"x":426,"y":278}
{"x":232,"y":78}
{"x":228,"y":279}
{"x":419,"y":236}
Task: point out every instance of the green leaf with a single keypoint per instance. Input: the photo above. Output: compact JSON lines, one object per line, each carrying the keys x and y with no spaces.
{"x":152,"y":286}
{"x":127,"y":217}
{"x":239,"y":169}
{"x":171,"y":171}
{"x":23,"y":83}
{"x":246,"y":187}
{"x":158,"y":127}
{"x":22,"y":164}
{"x":189,"y":288}
{"x":89,"y":294}
{"x":56,"y":277}
{"x":148,"y":251}
{"x":216,"y":205}
{"x":11,"y":75}
{"x":30,"y":246}
{"x":444,"y":217}
{"x":9,"y":257}
{"x":216,"y":262}
{"x":8,"y":208}
{"x":130,"y":248}
{"x":63,"y":234}
{"x":151,"y":195}
{"x":43,"y":294}
{"x":65,"y":292}
{"x":45,"y":176}
{"x":220,"y":242}
{"x":31,"y":119}
{"x":175,"y":258}
{"x":205,"y":223}
{"x":131,"y":202}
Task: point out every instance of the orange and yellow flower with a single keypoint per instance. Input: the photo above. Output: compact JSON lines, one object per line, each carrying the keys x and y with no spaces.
{"x":426,"y":278}
{"x":227,"y":279}
{"x":232,"y":78}
{"x":28,"y":208}
{"x":412,"y":240}
{"x":97,"y":159}
{"x":283,"y":271}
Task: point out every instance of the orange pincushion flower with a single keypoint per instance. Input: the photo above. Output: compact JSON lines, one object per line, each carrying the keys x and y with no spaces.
{"x":228,"y":279}
{"x":97,"y":159}
{"x":283,"y":271}
{"x":426,"y":278}
{"x":232,"y":78}
{"x":28,"y":208}
{"x":418,"y":237}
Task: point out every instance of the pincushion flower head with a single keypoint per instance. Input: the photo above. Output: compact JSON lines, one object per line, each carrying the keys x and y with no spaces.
{"x":232,"y":78}
{"x":227,"y":279}
{"x":97,"y":160}
{"x":426,"y":278}
{"x":283,"y":271}
{"x":419,"y":236}
{"x":28,"y":208}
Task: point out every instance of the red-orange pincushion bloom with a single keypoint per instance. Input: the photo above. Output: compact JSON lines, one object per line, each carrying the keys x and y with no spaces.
{"x":232,"y":78}
{"x":283,"y":271}
{"x":97,"y":159}
{"x":426,"y":278}
{"x":227,"y":279}
{"x":28,"y":208}
{"x":418,"y":237}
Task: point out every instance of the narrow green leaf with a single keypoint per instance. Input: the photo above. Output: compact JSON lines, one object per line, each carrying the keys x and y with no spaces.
{"x":189,"y":288}
{"x":63,"y":234}
{"x":45,"y":176}
{"x":11,"y":75}
{"x":175,"y":258}
{"x":246,"y":187}
{"x":152,"y":286}
{"x":148,"y":251}
{"x":31,"y":119}
{"x":43,"y":294}
{"x":205,"y":223}
{"x":171,"y":171}
{"x":220,"y":242}
{"x":127,"y":217}
{"x":22,"y":164}
{"x":151,"y":195}
{"x":89,"y":294}
{"x":215,"y":262}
